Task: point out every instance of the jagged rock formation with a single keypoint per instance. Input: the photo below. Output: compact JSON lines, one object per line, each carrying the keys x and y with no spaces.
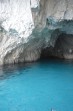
{"x":29,"y":27}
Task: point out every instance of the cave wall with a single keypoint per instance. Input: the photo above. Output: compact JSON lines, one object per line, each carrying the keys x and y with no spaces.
{"x":64,"y":46}
{"x":28,"y":27}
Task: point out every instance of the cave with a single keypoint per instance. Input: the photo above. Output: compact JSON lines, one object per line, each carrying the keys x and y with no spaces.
{"x":63,"y":48}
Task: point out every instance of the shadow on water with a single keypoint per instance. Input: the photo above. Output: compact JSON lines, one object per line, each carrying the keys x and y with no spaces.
{"x":7,"y":70}
{"x":56,"y":60}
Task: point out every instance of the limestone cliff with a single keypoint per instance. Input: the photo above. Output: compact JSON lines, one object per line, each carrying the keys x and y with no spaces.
{"x":27,"y":27}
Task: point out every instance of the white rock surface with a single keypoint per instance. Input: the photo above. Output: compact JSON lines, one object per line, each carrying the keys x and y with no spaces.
{"x":27,"y":26}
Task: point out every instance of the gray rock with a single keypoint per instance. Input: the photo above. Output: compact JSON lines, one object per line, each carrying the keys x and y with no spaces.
{"x":29,"y":27}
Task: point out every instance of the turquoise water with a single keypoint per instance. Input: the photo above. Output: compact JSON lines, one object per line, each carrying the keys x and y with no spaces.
{"x":37,"y":87}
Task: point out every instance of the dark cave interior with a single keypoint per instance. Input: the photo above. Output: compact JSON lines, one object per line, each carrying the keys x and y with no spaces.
{"x":63,"y":46}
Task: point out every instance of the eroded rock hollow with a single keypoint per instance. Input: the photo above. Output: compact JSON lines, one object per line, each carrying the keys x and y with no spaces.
{"x":35,"y":28}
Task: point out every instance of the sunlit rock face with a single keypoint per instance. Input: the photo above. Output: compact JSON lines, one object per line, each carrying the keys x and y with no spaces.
{"x":27,"y":27}
{"x":17,"y":43}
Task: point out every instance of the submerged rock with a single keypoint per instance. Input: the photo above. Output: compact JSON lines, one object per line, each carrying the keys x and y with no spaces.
{"x":27,"y":28}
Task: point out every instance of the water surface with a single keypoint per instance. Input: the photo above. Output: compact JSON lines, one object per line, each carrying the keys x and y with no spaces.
{"x":38,"y":86}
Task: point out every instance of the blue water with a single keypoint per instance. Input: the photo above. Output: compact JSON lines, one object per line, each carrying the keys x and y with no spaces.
{"x":38,"y":86}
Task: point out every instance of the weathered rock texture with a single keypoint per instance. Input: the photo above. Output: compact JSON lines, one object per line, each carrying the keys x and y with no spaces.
{"x":27,"y":27}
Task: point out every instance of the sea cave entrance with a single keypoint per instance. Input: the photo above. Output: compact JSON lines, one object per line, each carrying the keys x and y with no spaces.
{"x":63,"y":48}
